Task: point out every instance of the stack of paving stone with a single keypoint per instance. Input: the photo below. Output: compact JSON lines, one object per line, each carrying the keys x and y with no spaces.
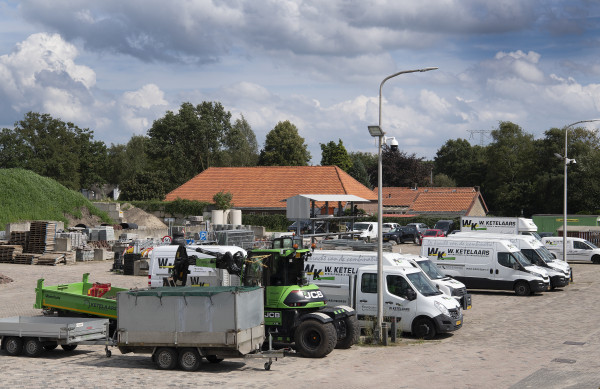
{"x":41,"y":237}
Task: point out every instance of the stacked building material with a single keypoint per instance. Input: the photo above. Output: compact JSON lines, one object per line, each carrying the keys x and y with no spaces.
{"x":8,"y":251}
{"x":41,"y":237}
{"x":18,"y":238}
{"x":78,"y":239}
{"x":53,"y":259}
{"x":83,"y":255}
{"x":27,"y":258}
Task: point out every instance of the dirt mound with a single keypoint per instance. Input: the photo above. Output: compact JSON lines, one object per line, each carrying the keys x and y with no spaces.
{"x":86,"y":218}
{"x":140,"y":217}
{"x":5,"y":279}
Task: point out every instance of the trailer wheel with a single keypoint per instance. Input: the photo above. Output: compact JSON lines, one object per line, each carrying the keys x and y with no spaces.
{"x":166,"y":358}
{"x":50,"y":347}
{"x":213,"y":359}
{"x":189,"y":359}
{"x":13,"y":345}
{"x":315,"y":339}
{"x":68,"y":347}
{"x":424,"y":328}
{"x":32,"y":347}
{"x":351,"y":330}
{"x":522,"y":288}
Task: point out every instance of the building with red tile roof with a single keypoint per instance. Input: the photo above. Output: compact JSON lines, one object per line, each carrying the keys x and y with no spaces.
{"x":464,"y":201}
{"x":264,"y":188}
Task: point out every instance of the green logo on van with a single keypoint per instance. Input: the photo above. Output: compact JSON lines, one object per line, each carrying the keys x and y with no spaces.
{"x":441,"y":255}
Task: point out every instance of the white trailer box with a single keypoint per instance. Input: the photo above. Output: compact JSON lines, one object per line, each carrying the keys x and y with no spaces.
{"x":499,"y":225}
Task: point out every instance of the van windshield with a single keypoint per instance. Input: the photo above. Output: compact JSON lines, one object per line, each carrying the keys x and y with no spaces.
{"x":521,"y":258}
{"x":591,"y":244}
{"x":544,"y":253}
{"x":431,"y":270}
{"x":532,"y":255}
{"x":422,"y":284}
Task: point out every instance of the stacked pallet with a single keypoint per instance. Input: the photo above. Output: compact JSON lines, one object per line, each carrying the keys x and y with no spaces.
{"x":83,"y":255}
{"x":18,"y":238}
{"x":41,"y":237}
{"x":8,"y":251}
{"x":52,"y":259}
{"x":27,"y":259}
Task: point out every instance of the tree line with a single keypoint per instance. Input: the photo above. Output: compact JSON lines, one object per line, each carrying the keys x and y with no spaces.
{"x":517,"y":174}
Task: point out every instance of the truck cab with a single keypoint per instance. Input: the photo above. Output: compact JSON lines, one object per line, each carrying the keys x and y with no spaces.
{"x":409,"y":296}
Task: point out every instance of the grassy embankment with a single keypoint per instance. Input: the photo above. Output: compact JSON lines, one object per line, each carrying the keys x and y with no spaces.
{"x":25,"y":195}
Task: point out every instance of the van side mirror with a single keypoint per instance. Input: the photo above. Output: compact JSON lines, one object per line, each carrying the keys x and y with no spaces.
{"x":411,"y":295}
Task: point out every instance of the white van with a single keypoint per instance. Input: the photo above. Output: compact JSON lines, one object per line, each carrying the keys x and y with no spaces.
{"x":486,"y":264}
{"x":408,"y":294}
{"x":331,"y":260}
{"x":577,"y":249}
{"x":560,"y":273}
{"x":163,"y":257}
{"x":365,"y":231}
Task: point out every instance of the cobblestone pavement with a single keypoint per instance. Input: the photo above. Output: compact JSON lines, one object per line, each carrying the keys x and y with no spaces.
{"x":549,"y":340}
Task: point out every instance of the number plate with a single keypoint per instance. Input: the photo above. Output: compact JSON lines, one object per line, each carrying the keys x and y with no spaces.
{"x":458,"y":322}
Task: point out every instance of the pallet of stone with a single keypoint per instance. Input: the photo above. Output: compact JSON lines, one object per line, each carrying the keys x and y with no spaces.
{"x":27,"y":259}
{"x":52,"y":259}
{"x":84,"y":255}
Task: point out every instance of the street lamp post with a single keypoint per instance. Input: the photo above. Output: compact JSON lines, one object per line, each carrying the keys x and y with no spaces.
{"x":377,"y":131}
{"x":567,"y":161}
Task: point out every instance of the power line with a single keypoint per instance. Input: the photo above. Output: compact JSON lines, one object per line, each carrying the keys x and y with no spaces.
{"x":482,"y":135}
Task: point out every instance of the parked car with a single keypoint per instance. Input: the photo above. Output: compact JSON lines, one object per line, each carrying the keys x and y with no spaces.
{"x":445,"y":225}
{"x":433,"y":233}
{"x":387,"y":227}
{"x":421,"y":227}
{"x":403,"y":234}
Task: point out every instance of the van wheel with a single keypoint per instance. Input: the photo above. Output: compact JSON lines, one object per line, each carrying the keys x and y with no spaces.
{"x":522,"y":288}
{"x":424,"y":328}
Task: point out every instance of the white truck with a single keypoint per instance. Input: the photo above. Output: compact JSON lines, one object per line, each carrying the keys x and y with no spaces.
{"x":366,"y":231}
{"x":578,"y":249}
{"x":163,"y":257}
{"x":499,"y":225}
{"x":409,"y":295}
{"x":486,"y":264}
{"x":560,"y":273}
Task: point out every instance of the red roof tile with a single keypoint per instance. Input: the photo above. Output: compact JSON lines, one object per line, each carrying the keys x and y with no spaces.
{"x":267,"y":186}
{"x":459,"y":202}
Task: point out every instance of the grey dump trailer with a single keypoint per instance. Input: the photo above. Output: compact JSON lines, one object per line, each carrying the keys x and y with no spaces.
{"x":180,"y":326}
{"x":33,"y":335}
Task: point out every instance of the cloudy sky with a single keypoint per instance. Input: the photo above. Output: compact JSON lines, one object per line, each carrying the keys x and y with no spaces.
{"x":114,"y":66}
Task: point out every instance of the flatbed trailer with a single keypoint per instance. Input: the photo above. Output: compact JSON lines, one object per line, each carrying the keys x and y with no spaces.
{"x":32,"y":335}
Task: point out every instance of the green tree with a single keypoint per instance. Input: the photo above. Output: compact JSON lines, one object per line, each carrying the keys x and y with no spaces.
{"x":54,"y":149}
{"x":335,"y":155}
{"x":284,"y":147}
{"x":401,"y":169}
{"x":124,"y":161}
{"x":186,"y":143}
{"x":362,"y":164}
{"x":442,"y":180}
{"x":144,"y":186}
{"x":460,"y":161}
{"x":241,"y":147}
{"x":223,"y":200}
{"x":510,"y":178}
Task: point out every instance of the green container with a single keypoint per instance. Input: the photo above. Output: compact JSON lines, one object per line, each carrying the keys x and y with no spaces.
{"x":74,"y":298}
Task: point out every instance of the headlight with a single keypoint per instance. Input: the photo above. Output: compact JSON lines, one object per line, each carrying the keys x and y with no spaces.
{"x":442,"y":308}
